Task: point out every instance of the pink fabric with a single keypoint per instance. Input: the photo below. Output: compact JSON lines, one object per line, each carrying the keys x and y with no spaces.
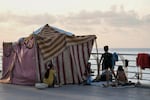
{"x":8,"y":57}
{"x":143,"y":60}
{"x":24,"y":72}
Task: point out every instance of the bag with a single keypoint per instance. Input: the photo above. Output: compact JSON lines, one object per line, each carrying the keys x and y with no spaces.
{"x":41,"y":85}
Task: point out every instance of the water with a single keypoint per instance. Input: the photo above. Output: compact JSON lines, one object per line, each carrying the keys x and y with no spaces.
{"x":126,"y":55}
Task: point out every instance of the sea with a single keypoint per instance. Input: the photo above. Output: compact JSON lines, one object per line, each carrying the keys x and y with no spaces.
{"x":124,"y":53}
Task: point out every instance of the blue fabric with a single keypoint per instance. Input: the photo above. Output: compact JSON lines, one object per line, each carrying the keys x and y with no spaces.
{"x":114,"y":59}
{"x":89,"y":80}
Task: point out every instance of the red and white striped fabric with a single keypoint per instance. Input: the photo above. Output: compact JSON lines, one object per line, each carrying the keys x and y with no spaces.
{"x":70,"y":54}
{"x":71,"y":64}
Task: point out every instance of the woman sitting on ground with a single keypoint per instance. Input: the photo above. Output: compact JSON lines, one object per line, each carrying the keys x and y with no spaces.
{"x":50,"y":76}
{"x":121,"y":76}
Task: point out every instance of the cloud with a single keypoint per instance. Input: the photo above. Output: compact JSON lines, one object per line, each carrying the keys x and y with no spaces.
{"x":83,"y":18}
{"x":122,"y":19}
{"x":146,"y":19}
{"x":38,"y":19}
{"x":112,"y":18}
{"x":124,"y":25}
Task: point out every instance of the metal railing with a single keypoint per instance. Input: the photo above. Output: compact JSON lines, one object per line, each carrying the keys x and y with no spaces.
{"x":134,"y":73}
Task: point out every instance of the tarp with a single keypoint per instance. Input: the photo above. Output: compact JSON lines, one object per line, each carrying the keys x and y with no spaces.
{"x":69,"y":54}
{"x":19,"y":64}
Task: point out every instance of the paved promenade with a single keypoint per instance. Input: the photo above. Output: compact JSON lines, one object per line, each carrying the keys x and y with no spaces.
{"x":72,"y":92}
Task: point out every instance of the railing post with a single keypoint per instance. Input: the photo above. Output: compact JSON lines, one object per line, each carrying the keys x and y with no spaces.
{"x":98,"y":65}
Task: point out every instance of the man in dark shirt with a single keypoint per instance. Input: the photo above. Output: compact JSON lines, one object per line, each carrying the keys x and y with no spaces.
{"x":106,"y":60}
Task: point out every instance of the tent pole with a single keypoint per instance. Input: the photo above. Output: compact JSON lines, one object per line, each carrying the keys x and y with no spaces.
{"x":38,"y":75}
{"x":98,"y":65}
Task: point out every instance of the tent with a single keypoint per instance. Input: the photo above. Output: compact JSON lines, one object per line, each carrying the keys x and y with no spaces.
{"x":24,"y":61}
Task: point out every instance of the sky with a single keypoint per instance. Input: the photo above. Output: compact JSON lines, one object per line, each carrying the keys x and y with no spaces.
{"x":117,"y":23}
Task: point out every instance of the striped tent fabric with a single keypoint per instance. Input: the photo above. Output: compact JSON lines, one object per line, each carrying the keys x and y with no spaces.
{"x":72,"y":62}
{"x":70,"y":54}
{"x":51,"y":42}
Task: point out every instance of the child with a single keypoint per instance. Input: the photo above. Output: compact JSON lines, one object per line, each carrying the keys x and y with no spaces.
{"x":121,"y":76}
{"x":87,"y":73}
